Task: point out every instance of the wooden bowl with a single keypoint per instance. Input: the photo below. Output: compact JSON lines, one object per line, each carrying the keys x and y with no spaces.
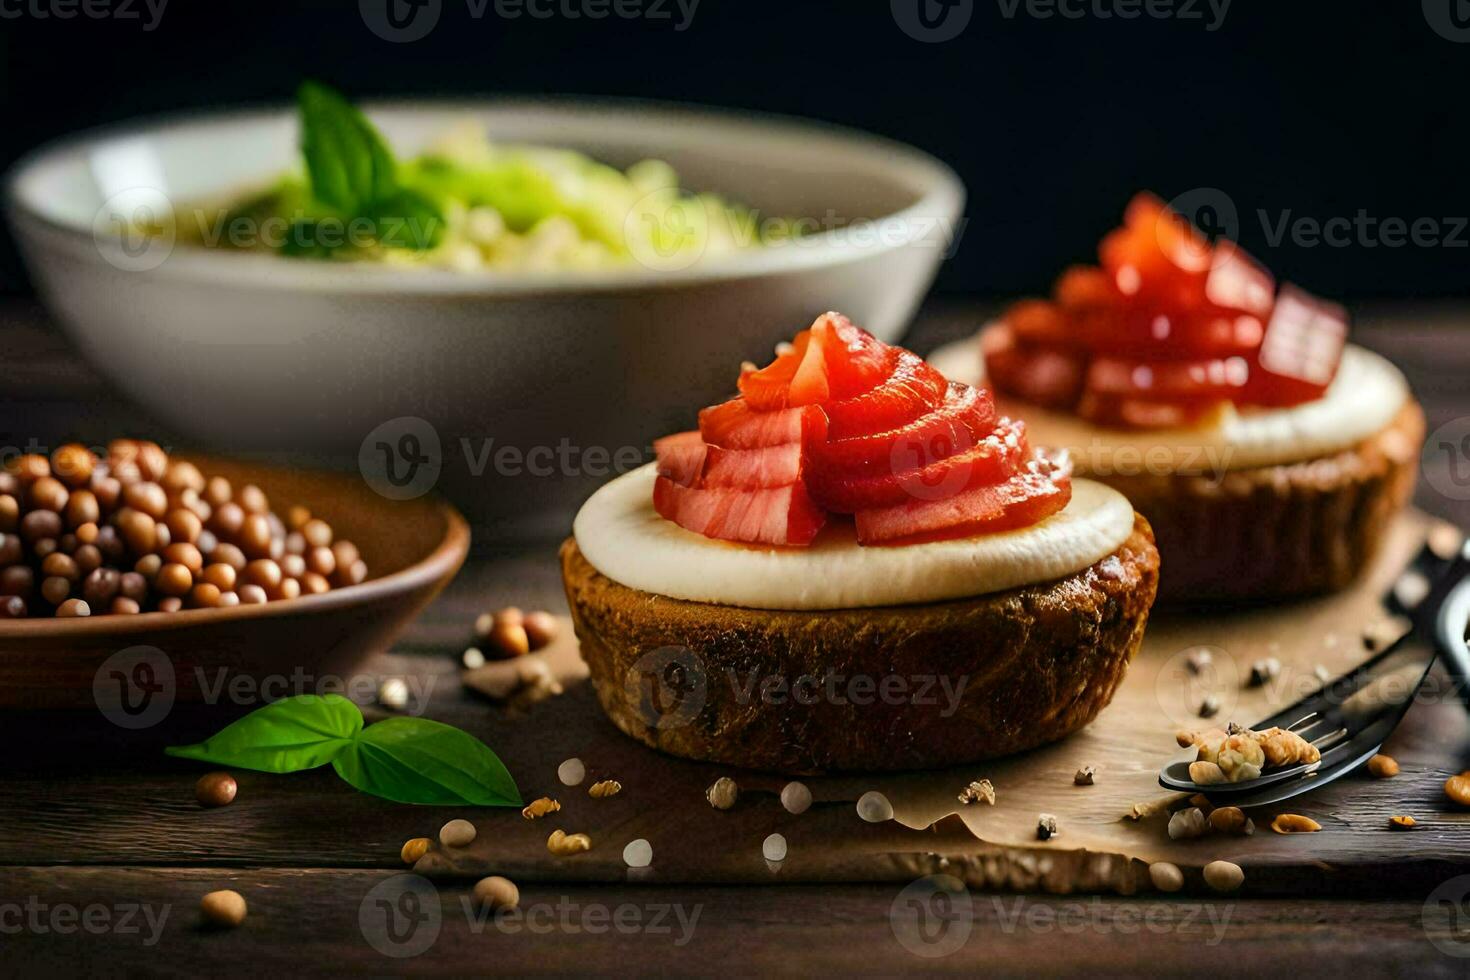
{"x":149,"y":671}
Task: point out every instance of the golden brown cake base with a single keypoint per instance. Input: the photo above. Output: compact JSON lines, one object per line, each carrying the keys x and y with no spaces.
{"x":897,"y":687}
{"x":1275,"y":532}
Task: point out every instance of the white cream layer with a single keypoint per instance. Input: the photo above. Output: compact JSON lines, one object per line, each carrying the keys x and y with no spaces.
{"x":1362,"y":400}
{"x":625,"y":539}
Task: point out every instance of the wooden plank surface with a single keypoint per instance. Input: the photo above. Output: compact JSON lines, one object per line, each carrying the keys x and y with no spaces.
{"x":307,"y":851}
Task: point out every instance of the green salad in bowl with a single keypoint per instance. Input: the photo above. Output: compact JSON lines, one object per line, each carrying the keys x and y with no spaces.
{"x":468,"y":204}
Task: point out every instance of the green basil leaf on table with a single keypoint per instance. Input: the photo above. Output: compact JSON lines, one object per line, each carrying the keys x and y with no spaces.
{"x":289,"y":735}
{"x":415,"y":760}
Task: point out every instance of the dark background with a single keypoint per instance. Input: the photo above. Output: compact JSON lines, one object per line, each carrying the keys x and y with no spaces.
{"x":1310,"y":107}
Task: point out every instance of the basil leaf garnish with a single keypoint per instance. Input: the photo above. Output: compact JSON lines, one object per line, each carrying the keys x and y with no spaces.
{"x":349,"y":163}
{"x":289,"y":735}
{"x":415,"y":760}
{"x":352,"y":171}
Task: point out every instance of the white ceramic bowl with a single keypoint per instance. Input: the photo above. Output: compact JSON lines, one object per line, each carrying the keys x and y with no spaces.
{"x":251,"y":352}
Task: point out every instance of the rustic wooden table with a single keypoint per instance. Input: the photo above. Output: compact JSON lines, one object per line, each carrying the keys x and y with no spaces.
{"x":102,"y":864}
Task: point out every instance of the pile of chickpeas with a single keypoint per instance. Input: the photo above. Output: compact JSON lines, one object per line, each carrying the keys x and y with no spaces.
{"x":131,"y":532}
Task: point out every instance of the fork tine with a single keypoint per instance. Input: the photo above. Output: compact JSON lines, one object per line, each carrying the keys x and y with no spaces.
{"x":1303,"y":719}
{"x":1329,"y":740}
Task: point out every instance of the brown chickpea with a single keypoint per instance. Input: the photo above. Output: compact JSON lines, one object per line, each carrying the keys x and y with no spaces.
{"x":295,"y":543}
{"x":264,"y":573}
{"x":67,"y":544}
{"x":72,"y":608}
{"x":110,"y":543}
{"x":82,"y":508}
{"x":107,"y":490}
{"x":217,"y":491}
{"x":87,"y":533}
{"x":353,"y":574}
{"x":253,"y":499}
{"x":40,"y":524}
{"x":345,"y":552}
{"x":61,"y":566}
{"x":170,"y":603}
{"x":321,"y":560}
{"x":206,"y":542}
{"x":30,"y":468}
{"x":252,"y":595}
{"x":148,"y":567}
{"x":174,"y":579}
{"x":293,"y":566}
{"x":11,"y":551}
{"x":8,"y":483}
{"x":187,"y":555}
{"x":152,"y":461}
{"x":541,"y":628}
{"x":17,"y":580}
{"x":228,"y":554}
{"x":138,"y":530}
{"x":255,"y":536}
{"x":229,"y":598}
{"x":204,"y":596}
{"x":73,"y":464}
{"x":314,"y":584}
{"x":220,"y":575}
{"x":88,"y":557}
{"x":183,"y":475}
{"x":100,"y":587}
{"x":131,"y":585}
{"x":317,"y":532}
{"x":215,"y":789}
{"x":12,"y":607}
{"x":183,"y":525}
{"x":162,"y":537}
{"x":123,"y":606}
{"x":277,"y":549}
{"x":147,"y":497}
{"x":289,"y":588}
{"x":125,"y":471}
{"x":49,"y":493}
{"x":55,"y":590}
{"x":44,"y":547}
{"x":9,"y":512}
{"x":296,"y":516}
{"x":227,"y":519}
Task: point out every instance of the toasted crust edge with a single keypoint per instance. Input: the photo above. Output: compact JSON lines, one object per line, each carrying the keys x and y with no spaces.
{"x":968,"y":680}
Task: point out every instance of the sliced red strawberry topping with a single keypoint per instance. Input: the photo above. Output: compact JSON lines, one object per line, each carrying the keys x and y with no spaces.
{"x":681,"y":457}
{"x":1165,"y":328}
{"x":777,"y":516}
{"x":1036,"y":492}
{"x":840,"y":422}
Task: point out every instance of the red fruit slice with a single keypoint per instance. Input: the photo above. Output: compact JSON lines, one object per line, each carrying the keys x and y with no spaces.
{"x":913,"y":389}
{"x":681,"y":456}
{"x":1239,"y":283}
{"x":1187,"y":382}
{"x":1035,"y":321}
{"x":753,"y":469}
{"x":917,"y":476}
{"x":769,"y":387}
{"x":1301,"y":350}
{"x":778,"y":516}
{"x":735,"y":425}
{"x":1140,"y":413}
{"x":967,"y":415}
{"x":1050,"y":378}
{"x":1027,"y":497}
{"x":1086,"y":287}
{"x":833,"y":359}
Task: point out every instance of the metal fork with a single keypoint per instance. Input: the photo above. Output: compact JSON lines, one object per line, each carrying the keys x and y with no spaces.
{"x":1349,"y":719}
